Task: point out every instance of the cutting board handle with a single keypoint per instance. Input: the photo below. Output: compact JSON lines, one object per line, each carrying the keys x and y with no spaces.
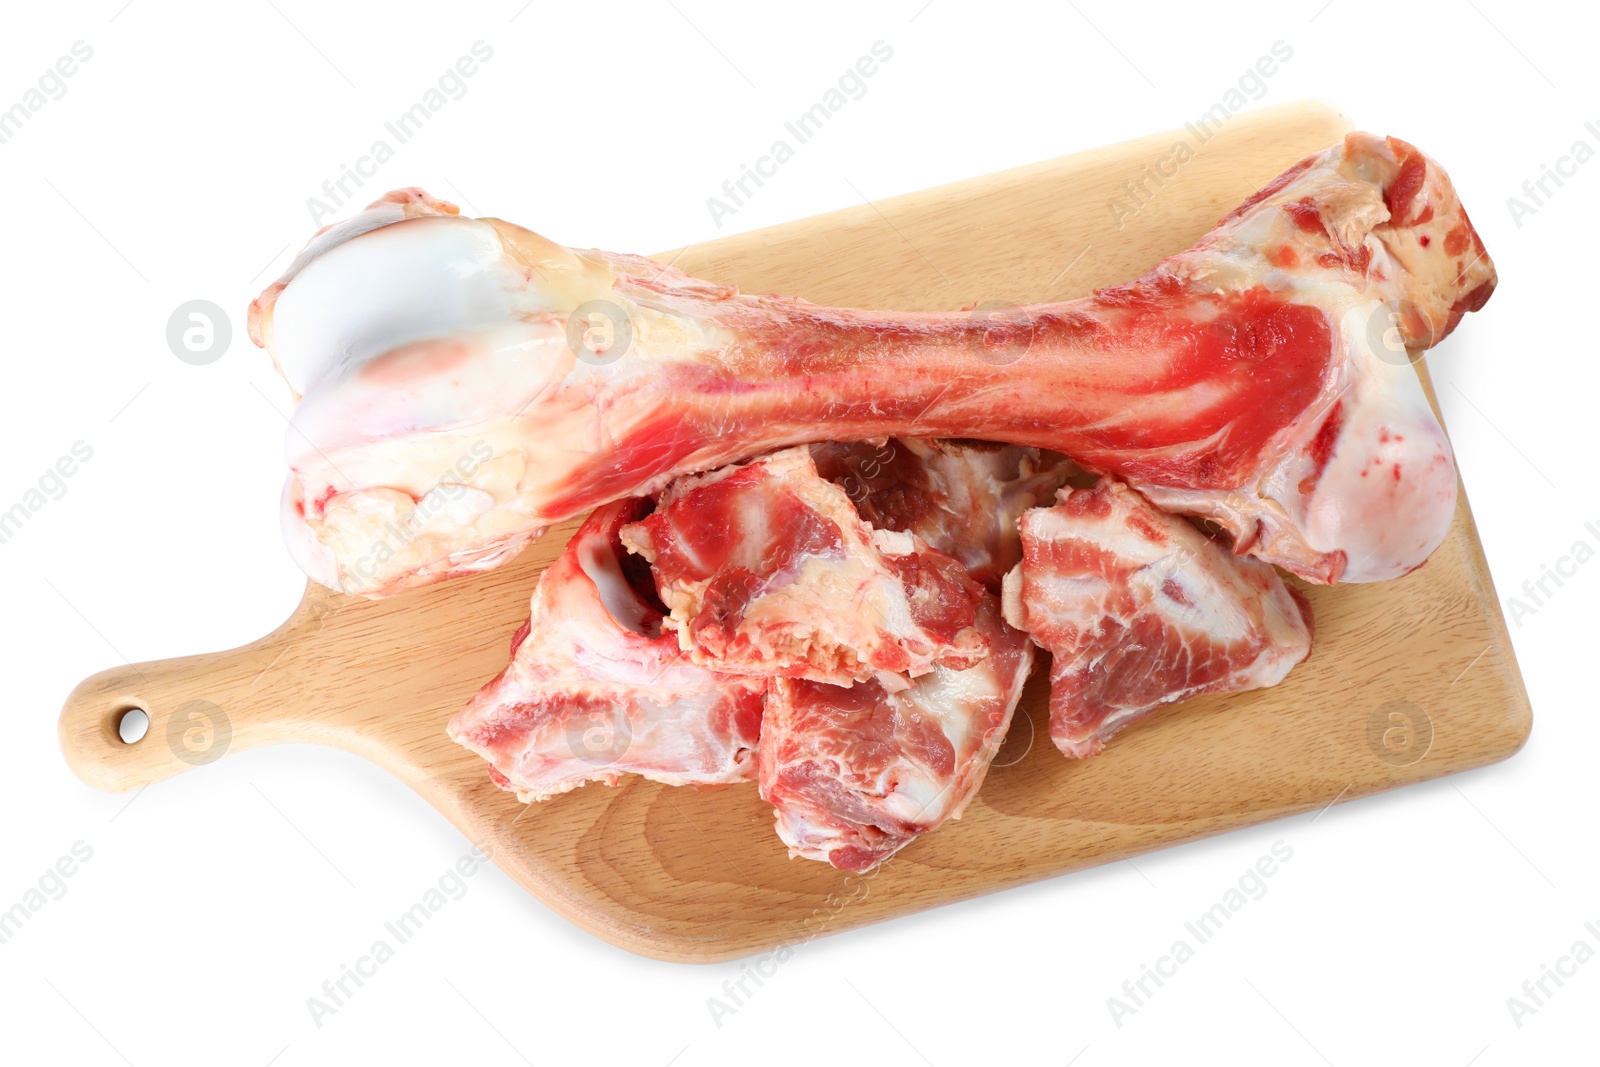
{"x":199,"y":708}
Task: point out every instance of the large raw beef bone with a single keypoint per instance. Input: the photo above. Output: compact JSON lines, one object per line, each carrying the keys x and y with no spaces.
{"x":465,"y":383}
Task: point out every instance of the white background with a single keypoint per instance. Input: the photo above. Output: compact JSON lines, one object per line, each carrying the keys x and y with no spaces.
{"x":177,"y":166}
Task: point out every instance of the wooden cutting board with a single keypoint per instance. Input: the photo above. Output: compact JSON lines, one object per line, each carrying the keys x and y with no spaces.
{"x":1409,"y":680}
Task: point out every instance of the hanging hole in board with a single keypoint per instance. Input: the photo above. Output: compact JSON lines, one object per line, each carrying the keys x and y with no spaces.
{"x":132,"y":725}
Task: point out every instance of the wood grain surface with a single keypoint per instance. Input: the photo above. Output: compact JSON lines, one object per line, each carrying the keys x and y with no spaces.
{"x":1409,"y":679}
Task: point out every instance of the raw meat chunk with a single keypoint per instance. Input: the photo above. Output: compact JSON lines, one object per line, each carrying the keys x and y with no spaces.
{"x":1139,"y":609}
{"x":595,"y":690}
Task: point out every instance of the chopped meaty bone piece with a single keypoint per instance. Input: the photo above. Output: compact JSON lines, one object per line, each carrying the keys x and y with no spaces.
{"x":961,"y":497}
{"x":856,"y":774}
{"x":1140,"y":609}
{"x":767,"y":570}
{"x":595,"y":690}
{"x":459,"y":369}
